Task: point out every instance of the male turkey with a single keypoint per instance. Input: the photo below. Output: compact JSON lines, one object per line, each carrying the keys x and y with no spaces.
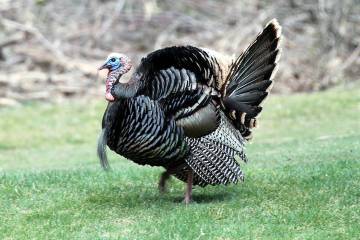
{"x":189,"y":110}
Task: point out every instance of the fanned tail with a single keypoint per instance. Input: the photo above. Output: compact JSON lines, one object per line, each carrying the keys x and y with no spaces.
{"x":251,"y":77}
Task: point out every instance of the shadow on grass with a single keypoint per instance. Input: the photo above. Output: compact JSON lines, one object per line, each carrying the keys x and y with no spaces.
{"x":113,"y":192}
{"x":204,"y":197}
{"x":138,"y":197}
{"x":294,"y":181}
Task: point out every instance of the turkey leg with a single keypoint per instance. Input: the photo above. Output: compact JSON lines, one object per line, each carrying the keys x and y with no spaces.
{"x":162,"y":182}
{"x":188,"y":192}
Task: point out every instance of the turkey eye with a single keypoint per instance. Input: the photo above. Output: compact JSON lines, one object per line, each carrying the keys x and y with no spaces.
{"x":113,"y":59}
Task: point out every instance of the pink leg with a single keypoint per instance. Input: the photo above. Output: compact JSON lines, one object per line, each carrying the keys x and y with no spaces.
{"x":188,"y":193}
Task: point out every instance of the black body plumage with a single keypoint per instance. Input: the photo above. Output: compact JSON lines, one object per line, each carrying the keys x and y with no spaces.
{"x":138,"y":129}
{"x":182,"y":112}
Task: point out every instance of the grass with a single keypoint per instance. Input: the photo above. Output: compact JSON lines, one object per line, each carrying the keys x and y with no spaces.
{"x":302,"y":182}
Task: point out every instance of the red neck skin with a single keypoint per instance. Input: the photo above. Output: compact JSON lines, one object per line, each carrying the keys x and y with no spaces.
{"x":112,"y":77}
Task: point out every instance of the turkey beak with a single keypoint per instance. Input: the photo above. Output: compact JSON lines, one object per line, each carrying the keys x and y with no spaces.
{"x":104,"y":66}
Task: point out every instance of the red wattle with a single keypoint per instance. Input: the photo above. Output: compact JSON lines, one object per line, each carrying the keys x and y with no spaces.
{"x":109,"y":97}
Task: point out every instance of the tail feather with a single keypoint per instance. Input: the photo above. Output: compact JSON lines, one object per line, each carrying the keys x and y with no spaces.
{"x":101,"y":150}
{"x":251,"y":98}
{"x":255,"y":87}
{"x":266,"y":43}
{"x":250,"y":78}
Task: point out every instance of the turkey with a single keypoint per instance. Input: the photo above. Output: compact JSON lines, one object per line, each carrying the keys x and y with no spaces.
{"x":188,"y":109}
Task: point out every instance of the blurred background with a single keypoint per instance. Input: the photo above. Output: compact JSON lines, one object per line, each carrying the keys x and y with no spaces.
{"x":303,"y":178}
{"x":50,"y":50}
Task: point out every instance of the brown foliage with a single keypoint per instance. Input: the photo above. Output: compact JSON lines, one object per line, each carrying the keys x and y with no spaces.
{"x":52,"y":48}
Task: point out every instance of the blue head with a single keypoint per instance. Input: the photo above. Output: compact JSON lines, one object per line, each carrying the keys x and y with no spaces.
{"x":117,"y":61}
{"x":118,"y":64}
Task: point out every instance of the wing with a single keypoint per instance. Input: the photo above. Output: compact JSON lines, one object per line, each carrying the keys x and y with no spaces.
{"x":182,"y":80}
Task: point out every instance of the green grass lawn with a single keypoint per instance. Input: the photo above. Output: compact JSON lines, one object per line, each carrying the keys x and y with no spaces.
{"x":302,"y":181}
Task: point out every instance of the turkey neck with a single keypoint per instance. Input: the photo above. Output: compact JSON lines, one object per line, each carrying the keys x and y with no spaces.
{"x":122,"y":90}
{"x":125,"y":90}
